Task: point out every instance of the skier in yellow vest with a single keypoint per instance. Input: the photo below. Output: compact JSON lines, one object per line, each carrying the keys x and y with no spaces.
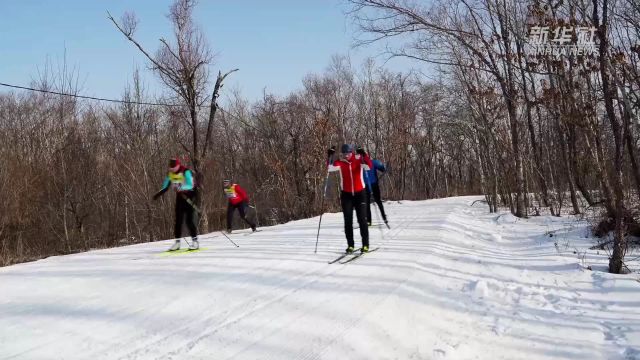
{"x":182,"y":180}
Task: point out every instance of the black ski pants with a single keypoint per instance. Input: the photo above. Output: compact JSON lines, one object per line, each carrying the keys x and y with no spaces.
{"x":357,"y":202}
{"x":231,"y":208}
{"x":185,"y":210}
{"x":375,"y":192}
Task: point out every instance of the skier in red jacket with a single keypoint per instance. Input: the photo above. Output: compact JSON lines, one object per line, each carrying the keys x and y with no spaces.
{"x":352,"y":196}
{"x":238,"y":199}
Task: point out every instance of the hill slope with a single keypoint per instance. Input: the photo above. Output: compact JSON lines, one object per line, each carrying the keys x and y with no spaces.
{"x":448,"y":282}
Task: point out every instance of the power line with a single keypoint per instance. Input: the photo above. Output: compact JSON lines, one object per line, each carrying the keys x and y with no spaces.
{"x":86,"y":97}
{"x":119,"y":101}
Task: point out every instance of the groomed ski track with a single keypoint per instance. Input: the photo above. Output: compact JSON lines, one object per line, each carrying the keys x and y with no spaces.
{"x":450,"y":281}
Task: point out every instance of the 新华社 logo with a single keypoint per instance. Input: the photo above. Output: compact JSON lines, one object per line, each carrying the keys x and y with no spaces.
{"x":561,"y":40}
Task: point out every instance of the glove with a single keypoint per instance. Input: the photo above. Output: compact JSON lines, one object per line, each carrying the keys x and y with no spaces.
{"x":360,"y":151}
{"x":156,"y":196}
{"x":331,"y":151}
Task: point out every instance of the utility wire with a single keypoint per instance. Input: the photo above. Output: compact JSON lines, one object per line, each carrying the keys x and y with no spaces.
{"x":120,"y":101}
{"x":85,"y":97}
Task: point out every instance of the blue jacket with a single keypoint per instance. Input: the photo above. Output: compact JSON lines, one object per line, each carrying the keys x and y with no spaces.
{"x":181,"y":180}
{"x":372,"y":175}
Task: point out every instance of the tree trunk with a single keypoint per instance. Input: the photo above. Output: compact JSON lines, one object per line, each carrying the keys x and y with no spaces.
{"x":619,"y":243}
{"x":510,"y":94}
{"x":570,"y":179}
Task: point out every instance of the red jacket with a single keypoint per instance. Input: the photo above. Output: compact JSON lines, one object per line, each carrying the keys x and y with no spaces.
{"x":351,"y":172}
{"x":236,"y":194}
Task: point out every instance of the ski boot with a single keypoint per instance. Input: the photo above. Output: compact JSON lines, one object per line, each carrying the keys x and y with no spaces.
{"x":365,"y":249}
{"x":195,"y":245}
{"x":349,"y":250}
{"x":175,"y":246}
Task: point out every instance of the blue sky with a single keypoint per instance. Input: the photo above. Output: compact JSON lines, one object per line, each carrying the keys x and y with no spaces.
{"x":274,"y":43}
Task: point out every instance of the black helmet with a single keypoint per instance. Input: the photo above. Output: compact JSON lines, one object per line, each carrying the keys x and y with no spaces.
{"x":346,"y":148}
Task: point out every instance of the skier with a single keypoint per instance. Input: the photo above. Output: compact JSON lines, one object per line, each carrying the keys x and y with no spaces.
{"x":373,"y":189}
{"x":352,"y":196}
{"x":238,"y":199}
{"x":182,"y":180}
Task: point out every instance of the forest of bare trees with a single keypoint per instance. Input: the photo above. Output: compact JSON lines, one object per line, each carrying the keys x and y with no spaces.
{"x":534,"y":134}
{"x":553,"y":127}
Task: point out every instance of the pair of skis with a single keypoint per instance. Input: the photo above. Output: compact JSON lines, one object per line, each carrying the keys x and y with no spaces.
{"x":354,"y":255}
{"x":182,"y":251}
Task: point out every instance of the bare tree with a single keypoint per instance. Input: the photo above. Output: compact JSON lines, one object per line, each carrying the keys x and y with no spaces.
{"x":182,"y":66}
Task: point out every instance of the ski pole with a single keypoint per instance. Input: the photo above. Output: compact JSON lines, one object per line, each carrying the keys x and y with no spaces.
{"x":372,"y":197}
{"x":194,"y":208}
{"x":228,"y":238}
{"x":191,"y":203}
{"x":324,"y":194}
{"x":326,"y":182}
{"x":378,"y":214}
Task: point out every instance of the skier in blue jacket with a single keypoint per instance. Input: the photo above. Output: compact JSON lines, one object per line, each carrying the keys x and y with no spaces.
{"x":182,"y":180}
{"x":373,"y":189}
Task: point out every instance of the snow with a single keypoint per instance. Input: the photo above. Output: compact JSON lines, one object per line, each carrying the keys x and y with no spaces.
{"x":450,"y":281}
{"x":506,"y":218}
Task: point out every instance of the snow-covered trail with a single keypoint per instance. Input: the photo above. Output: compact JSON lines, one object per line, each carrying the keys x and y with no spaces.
{"x":449,"y":282}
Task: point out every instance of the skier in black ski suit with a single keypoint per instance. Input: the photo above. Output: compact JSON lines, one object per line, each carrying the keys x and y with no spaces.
{"x":373,"y":189}
{"x":182,"y":180}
